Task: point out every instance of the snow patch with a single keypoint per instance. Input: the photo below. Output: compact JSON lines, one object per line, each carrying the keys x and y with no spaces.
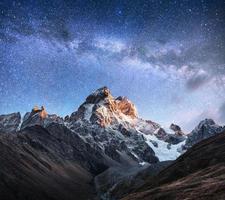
{"x":143,"y":163}
{"x":164,"y":151}
{"x":135,"y":155}
{"x":143,"y":126}
{"x":88,"y":111}
{"x":20,"y":124}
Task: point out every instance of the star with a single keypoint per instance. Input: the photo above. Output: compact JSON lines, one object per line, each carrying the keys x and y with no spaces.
{"x":56,"y":53}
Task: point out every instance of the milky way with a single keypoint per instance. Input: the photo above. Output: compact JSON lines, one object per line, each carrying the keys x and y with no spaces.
{"x":166,"y":56}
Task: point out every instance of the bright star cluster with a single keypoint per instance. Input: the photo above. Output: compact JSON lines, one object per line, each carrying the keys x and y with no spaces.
{"x":166,"y":56}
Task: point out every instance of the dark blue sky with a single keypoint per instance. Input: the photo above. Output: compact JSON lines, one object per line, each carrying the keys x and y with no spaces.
{"x":166,"y":56}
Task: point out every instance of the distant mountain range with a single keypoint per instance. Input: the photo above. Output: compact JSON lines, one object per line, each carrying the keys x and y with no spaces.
{"x":104,"y":151}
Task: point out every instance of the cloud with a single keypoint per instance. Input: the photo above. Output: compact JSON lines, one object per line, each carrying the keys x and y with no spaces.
{"x":190,"y":119}
{"x":197,"y":80}
{"x":112,"y":45}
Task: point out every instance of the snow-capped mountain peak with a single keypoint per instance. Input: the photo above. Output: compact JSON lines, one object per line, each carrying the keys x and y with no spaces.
{"x":205,"y":129}
{"x":116,"y":119}
{"x":103,"y":109}
{"x":112,"y":126}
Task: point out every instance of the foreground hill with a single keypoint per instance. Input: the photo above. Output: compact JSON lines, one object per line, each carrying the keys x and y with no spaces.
{"x":37,"y":164}
{"x":197,"y":174}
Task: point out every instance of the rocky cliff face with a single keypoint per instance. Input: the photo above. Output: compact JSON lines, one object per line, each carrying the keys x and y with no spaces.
{"x":39,"y":117}
{"x":177,"y":129}
{"x":103,"y":109}
{"x":110,"y":124}
{"x":10,"y":123}
{"x":205,"y":129}
{"x":113,"y":125}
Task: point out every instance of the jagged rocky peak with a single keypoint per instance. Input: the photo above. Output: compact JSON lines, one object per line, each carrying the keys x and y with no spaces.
{"x":41,"y":111}
{"x":206,"y":122}
{"x":99,"y":95}
{"x":39,"y":116}
{"x":125,"y":106}
{"x":112,"y":125}
{"x":103,"y":109}
{"x":9,"y":123}
{"x":177,"y":129}
{"x":205,"y":129}
{"x":161,"y":133}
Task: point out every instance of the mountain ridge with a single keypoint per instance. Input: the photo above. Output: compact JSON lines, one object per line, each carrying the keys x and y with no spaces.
{"x":103,"y":138}
{"x":116,"y":119}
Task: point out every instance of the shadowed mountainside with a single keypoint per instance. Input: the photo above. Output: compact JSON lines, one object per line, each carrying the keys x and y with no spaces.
{"x":197,"y":174}
{"x":48,"y":164}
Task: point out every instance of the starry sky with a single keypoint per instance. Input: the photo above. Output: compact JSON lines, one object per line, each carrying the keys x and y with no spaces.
{"x":165,"y":56}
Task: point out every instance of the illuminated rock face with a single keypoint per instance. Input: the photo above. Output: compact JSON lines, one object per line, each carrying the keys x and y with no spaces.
{"x":113,"y":111}
{"x":103,"y":109}
{"x":110,"y":124}
{"x":99,"y":95}
{"x":126,"y":107}
{"x":42,"y":112}
{"x":39,"y":116}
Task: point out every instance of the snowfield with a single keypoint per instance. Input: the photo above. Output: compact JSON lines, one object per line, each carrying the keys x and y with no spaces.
{"x":164,"y":151}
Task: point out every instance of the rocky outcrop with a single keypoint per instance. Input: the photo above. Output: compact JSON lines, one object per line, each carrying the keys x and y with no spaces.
{"x":40,"y":117}
{"x":172,"y":138}
{"x":125,"y":146}
{"x":126,"y":107}
{"x":112,"y":125}
{"x":103,"y":109}
{"x":177,"y":130}
{"x":205,"y":129}
{"x":9,"y":123}
{"x":161,"y":134}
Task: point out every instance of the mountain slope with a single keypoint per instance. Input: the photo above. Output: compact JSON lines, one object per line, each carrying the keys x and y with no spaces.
{"x":46,"y":164}
{"x":116,"y":182}
{"x":9,"y":123}
{"x":113,"y":125}
{"x":197,"y":174}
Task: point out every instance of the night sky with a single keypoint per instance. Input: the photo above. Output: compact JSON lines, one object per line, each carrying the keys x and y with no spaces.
{"x":166,"y":56}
